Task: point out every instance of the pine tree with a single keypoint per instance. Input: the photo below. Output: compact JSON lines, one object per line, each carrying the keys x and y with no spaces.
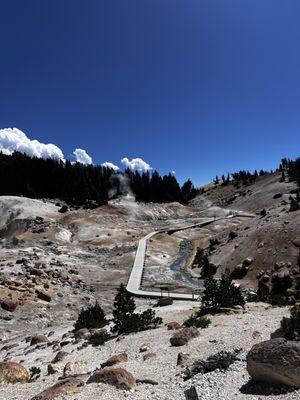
{"x":126,"y":320}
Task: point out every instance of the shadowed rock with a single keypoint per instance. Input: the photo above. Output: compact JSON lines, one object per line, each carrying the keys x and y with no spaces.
{"x":117,"y":377}
{"x":275,"y":361}
{"x":183,"y":336}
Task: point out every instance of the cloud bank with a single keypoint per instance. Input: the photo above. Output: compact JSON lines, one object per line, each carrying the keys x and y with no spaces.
{"x":136,"y":164}
{"x":82,"y":157}
{"x":110,"y":165}
{"x":13,"y":139}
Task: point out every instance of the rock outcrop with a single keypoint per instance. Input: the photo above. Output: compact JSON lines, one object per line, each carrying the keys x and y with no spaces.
{"x":117,"y":377}
{"x":275,"y":361}
{"x":183,"y":336}
{"x":123,"y":357}
{"x":12,"y":372}
{"x":63,"y":387}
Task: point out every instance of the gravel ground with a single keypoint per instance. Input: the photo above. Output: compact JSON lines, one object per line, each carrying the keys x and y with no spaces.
{"x":227,"y":332}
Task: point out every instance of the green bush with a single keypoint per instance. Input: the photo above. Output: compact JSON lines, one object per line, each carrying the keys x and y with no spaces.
{"x":197,"y":321}
{"x":91,"y":317}
{"x":99,"y":338}
{"x":263,"y":212}
{"x":291,"y":325}
{"x":126,"y":320}
{"x":221,"y":294}
{"x":232,"y":235}
{"x":201,"y":261}
{"x":294,"y":205}
{"x":212,"y":244}
{"x":35,"y":373}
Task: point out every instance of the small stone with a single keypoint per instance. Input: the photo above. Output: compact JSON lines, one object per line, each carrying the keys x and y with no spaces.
{"x":53,"y":369}
{"x":43,"y":296}
{"x":38,"y":339}
{"x":123,"y":357}
{"x":59,"y":356}
{"x":145,"y":347}
{"x":68,"y":367}
{"x":149,"y":356}
{"x":172,"y":326}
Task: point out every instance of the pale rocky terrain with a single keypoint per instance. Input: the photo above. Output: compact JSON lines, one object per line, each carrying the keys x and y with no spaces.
{"x":53,"y":263}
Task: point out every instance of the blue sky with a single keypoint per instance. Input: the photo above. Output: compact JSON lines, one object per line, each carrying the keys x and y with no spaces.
{"x":201,"y":87}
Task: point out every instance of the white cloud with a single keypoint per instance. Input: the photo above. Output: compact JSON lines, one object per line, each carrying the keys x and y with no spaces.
{"x":136,"y":164}
{"x":82,"y":157}
{"x":13,"y":139}
{"x":110,"y":165}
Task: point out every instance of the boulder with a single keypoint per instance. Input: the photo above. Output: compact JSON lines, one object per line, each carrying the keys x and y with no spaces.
{"x":173,"y":326}
{"x":123,"y":357}
{"x":12,"y":372}
{"x":279,"y":333}
{"x":53,"y":369}
{"x":38,"y":339}
{"x":59,"y":356}
{"x":9,"y":304}
{"x":61,"y":388}
{"x":43,"y":295}
{"x":183,"y":359}
{"x":275,"y":361}
{"x":164,"y":301}
{"x":296,"y":242}
{"x":183,"y":336}
{"x":117,"y":377}
{"x":82,"y":333}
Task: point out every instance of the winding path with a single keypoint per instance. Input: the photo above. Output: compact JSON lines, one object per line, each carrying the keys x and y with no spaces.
{"x":134,"y":281}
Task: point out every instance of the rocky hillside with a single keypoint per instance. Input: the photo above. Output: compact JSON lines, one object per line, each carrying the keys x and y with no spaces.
{"x":54,"y":260}
{"x":269,"y":239}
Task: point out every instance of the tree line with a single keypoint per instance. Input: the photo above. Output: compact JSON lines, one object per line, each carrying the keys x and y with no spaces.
{"x":78,"y":184}
{"x":292,"y":168}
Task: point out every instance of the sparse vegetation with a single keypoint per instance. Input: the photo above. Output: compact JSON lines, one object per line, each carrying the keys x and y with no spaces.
{"x":99,"y":338}
{"x":91,"y":317}
{"x":197,"y":321}
{"x":232,"y":235}
{"x":240,"y":271}
{"x":212,"y":244}
{"x":126,"y":320}
{"x":220,"y":361}
{"x":201,"y":260}
{"x":35,"y":373}
{"x":221,"y":294}
{"x":291,"y":326}
{"x":294,"y":204}
{"x":263,"y":212}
